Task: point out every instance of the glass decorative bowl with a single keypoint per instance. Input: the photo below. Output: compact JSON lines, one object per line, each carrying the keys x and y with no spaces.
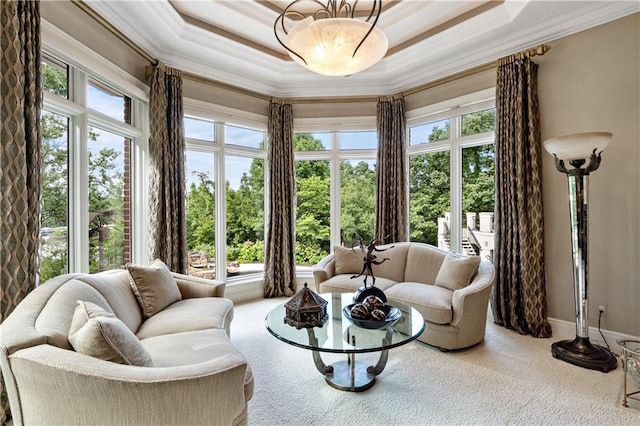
{"x":393,"y":315}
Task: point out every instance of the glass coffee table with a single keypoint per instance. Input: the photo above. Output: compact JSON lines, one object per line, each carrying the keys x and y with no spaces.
{"x":339,"y":335}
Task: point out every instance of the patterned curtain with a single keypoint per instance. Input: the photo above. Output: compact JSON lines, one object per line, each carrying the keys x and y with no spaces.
{"x":392,"y":214}
{"x":519,"y":297}
{"x":20,"y":158}
{"x":280,"y":259}
{"x":167,"y":192}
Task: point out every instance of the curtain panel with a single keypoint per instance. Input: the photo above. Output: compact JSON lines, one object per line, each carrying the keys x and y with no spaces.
{"x":519,"y":296}
{"x":20,"y":157}
{"x":280,"y":259}
{"x":167,"y":187}
{"x":392,"y":215}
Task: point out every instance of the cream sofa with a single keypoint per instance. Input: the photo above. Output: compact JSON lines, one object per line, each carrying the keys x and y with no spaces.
{"x":451,"y":292}
{"x":197,"y":377}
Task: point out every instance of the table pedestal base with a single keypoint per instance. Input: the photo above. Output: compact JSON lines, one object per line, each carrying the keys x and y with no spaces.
{"x":356,"y":379}
{"x":350,"y":375}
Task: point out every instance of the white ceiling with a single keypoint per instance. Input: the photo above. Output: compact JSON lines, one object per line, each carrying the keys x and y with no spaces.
{"x":233,"y":41}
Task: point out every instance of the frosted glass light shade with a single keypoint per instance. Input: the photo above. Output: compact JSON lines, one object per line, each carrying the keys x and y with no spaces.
{"x":327,"y":45}
{"x":577,"y":146}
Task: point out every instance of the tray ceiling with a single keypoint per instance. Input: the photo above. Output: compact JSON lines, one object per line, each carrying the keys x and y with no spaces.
{"x":233,"y":41}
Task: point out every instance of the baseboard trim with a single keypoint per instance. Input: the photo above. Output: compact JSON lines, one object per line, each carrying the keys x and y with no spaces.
{"x":567,"y":330}
{"x":244,"y":291}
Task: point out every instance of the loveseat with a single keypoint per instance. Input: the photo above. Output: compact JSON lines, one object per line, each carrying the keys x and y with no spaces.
{"x":450,"y":291}
{"x":102,"y":349}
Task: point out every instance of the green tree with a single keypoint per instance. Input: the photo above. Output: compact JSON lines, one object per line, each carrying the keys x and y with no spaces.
{"x":479,"y":122}
{"x":313,"y":209}
{"x":54,"y":258}
{"x":429,"y":186}
{"x":54,"y":80}
{"x":106,"y":211}
{"x":357,"y":197}
{"x":245,"y":207}
{"x":54,"y":170}
{"x":201,"y":224}
{"x":106,"y":202}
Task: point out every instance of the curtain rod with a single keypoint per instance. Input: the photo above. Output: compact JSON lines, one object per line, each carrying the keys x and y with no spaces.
{"x":528,"y":53}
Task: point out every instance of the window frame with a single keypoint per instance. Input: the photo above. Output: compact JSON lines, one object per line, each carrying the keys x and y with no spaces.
{"x":221,"y":116}
{"x":84,"y":64}
{"x":335,"y":155}
{"x":452,"y":109}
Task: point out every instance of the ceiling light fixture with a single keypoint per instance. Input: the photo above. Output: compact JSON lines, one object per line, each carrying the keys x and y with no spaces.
{"x":331,"y":40}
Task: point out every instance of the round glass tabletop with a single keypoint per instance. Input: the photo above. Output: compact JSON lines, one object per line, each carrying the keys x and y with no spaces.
{"x":338,"y":334}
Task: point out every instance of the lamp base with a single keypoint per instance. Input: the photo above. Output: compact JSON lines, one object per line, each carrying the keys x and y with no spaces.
{"x":582,"y":353}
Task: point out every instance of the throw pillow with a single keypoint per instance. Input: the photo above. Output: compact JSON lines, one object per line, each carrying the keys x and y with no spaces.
{"x":457,"y":271}
{"x":98,"y":333}
{"x":154,"y":287}
{"x":348,"y":261}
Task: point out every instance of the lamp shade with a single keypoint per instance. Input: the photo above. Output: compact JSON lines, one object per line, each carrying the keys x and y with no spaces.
{"x":328,"y":45}
{"x":577,"y":146}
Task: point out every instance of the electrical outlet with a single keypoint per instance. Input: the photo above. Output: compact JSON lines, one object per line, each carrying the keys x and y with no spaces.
{"x":603,"y":310}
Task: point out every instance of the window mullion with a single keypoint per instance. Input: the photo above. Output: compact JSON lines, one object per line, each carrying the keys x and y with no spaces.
{"x":221,"y":204}
{"x":139,"y":185}
{"x":78,"y":178}
{"x":336,"y":237}
{"x":455,"y":226}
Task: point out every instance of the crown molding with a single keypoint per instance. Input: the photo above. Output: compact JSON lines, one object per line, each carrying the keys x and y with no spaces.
{"x":61,"y":44}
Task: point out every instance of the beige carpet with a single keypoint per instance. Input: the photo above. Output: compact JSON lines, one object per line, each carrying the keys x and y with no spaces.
{"x":508,"y":379}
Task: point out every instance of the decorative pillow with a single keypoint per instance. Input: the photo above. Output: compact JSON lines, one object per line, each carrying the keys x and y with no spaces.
{"x":154,"y":287}
{"x":457,"y":271}
{"x":348,"y":261}
{"x":98,"y":333}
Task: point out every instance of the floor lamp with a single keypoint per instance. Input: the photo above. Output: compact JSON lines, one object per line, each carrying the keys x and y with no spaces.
{"x":582,"y":151}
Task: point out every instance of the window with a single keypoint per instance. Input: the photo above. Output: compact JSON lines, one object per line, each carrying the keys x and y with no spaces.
{"x":109,"y":222}
{"x":55,"y":196}
{"x":245,"y":214}
{"x":313,"y":209}
{"x":335,"y":183}
{"x":243,"y":137}
{"x":429,"y":195}
{"x":231,"y":234}
{"x":201,"y":209}
{"x":55,"y":76}
{"x":87,"y":171}
{"x":358,"y":140}
{"x":198,"y":129}
{"x":225,"y":199}
{"x":357,"y":199}
{"x":105,"y":100}
{"x":430,"y":132}
{"x":451,"y":179}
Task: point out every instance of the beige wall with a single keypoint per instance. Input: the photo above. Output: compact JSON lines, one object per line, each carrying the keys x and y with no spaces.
{"x":72,"y":20}
{"x":589,"y":82}
{"x":228,"y":98}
